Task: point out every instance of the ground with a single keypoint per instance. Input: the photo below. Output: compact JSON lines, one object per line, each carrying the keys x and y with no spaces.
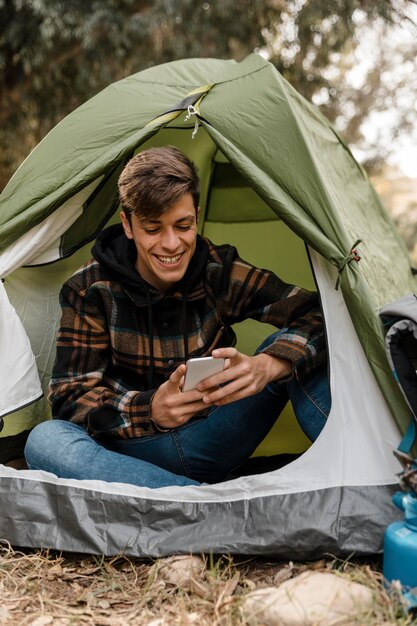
{"x":42,"y":588}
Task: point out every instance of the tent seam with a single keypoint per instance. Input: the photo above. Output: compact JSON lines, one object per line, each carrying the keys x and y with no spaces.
{"x":220,"y":82}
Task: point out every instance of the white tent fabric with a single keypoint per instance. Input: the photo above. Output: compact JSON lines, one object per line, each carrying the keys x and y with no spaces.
{"x":19,"y":379}
{"x":360,"y":434}
{"x":41,"y":244}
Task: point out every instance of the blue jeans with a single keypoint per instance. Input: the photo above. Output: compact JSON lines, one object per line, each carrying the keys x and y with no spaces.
{"x":205,"y":450}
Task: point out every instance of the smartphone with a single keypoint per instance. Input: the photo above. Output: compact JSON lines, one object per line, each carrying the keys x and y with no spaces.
{"x":199,"y":369}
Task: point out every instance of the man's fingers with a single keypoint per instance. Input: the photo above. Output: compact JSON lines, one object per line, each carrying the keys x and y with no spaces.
{"x":225,"y":353}
{"x":178,"y":374}
{"x":235,"y":390}
{"x":180,"y":415}
{"x":195,"y":407}
{"x":225,"y":377}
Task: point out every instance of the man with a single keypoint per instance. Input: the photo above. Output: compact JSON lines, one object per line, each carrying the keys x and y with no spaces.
{"x":155,"y":294}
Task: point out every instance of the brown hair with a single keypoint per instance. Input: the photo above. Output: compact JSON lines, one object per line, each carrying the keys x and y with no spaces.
{"x":155,"y":179}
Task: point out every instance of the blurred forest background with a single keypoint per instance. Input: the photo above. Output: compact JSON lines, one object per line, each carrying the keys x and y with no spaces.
{"x":355,"y":59}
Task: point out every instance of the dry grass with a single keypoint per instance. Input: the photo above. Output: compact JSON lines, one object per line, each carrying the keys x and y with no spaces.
{"x":42,"y":588}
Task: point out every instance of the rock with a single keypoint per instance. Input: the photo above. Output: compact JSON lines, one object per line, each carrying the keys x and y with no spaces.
{"x":186,"y":572}
{"x":307,"y":600}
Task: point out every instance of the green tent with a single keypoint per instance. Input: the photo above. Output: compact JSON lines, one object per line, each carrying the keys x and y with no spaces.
{"x":280,"y":184}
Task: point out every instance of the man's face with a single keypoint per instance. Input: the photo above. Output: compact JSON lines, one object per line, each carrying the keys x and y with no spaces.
{"x":165,"y":244}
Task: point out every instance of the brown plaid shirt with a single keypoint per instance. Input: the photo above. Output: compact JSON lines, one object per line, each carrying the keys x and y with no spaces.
{"x":101,"y":373}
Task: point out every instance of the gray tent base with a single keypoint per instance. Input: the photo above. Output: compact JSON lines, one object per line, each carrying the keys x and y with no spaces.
{"x":39,"y":513}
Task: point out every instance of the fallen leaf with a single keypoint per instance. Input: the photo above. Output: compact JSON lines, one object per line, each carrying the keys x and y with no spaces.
{"x":249,"y":583}
{"x":318,"y":565}
{"x":285,"y":573}
{"x":90,"y":571}
{"x":186,"y":572}
{"x":104,"y":604}
{"x":230,"y":585}
{"x":110,"y":569}
{"x":159,"y":621}
{"x":90,"y":599}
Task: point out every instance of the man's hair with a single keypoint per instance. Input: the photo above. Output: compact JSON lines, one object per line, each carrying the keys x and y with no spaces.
{"x":155,"y":179}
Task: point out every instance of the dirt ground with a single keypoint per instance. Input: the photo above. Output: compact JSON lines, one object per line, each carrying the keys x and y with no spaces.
{"x":42,"y":588}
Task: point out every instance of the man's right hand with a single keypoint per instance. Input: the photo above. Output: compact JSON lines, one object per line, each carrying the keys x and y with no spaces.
{"x":172,"y":407}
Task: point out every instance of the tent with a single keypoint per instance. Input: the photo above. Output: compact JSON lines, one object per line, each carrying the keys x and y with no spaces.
{"x":280,"y":184}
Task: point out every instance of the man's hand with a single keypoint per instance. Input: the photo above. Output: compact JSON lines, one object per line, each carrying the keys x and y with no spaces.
{"x":244,"y":376}
{"x":172,"y":407}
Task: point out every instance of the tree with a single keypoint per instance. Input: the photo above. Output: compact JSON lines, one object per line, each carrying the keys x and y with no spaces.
{"x":54,"y":54}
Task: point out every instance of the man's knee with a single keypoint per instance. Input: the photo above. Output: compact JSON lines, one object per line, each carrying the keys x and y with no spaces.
{"x":38,"y":438}
{"x":46,"y":440}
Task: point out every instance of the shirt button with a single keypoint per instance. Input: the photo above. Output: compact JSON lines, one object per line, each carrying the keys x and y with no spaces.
{"x":164,"y":324}
{"x":171,"y":363}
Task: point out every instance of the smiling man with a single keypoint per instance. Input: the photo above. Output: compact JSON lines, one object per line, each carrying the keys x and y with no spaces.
{"x":154,"y":295}
{"x":165,"y":246}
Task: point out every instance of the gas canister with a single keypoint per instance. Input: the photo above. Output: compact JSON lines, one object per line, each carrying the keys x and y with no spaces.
{"x":400,"y":548}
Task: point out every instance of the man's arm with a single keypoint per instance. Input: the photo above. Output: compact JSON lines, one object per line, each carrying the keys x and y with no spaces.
{"x":261,"y":295}
{"x":79,"y":390}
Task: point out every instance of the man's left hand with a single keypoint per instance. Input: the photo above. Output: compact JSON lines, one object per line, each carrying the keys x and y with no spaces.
{"x":244,"y":376}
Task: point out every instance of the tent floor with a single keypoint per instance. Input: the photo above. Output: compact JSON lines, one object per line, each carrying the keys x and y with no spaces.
{"x":263,"y":464}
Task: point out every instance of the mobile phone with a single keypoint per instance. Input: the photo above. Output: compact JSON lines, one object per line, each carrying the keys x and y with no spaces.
{"x":201,"y":368}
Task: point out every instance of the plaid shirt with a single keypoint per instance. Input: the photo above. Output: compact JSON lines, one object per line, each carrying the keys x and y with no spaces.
{"x":101,"y":373}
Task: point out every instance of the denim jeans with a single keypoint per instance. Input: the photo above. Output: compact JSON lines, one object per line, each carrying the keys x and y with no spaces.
{"x":205,"y":450}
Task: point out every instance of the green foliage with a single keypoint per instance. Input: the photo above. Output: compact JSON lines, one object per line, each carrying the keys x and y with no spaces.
{"x":55,"y":54}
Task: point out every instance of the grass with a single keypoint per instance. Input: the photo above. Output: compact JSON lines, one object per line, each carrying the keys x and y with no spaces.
{"x":43,"y":587}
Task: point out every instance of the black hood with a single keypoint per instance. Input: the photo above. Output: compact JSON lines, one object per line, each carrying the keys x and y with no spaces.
{"x":117,"y":254}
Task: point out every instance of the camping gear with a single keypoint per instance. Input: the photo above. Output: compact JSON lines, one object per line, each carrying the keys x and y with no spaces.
{"x":400,"y":539}
{"x":401,"y":345}
{"x":400,"y":548}
{"x":280,"y":184}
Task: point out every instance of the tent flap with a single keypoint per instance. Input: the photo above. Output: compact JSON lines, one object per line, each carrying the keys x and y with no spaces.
{"x":19,"y":379}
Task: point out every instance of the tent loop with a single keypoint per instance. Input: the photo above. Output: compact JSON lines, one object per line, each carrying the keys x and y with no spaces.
{"x":352,"y":256}
{"x":191,"y":110}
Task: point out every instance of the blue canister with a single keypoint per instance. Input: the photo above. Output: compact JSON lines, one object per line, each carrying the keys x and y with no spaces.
{"x":400,"y":546}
